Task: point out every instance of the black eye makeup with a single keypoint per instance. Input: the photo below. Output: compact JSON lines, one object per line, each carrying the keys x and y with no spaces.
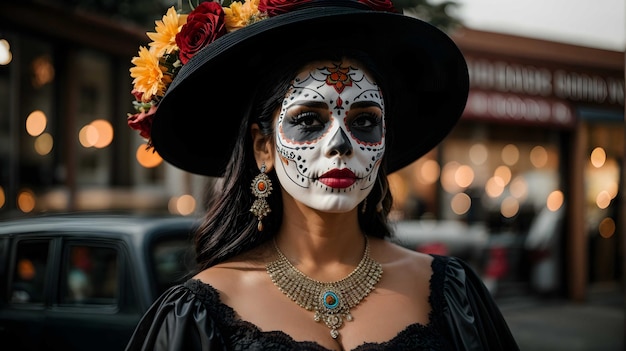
{"x":305,"y":123}
{"x":366,"y":121}
{"x":366,"y":125}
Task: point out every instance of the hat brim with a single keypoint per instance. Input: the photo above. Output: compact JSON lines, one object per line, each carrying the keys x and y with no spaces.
{"x":197,"y":122}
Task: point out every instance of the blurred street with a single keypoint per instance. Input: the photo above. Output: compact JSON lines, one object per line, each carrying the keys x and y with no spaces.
{"x":558,"y":324}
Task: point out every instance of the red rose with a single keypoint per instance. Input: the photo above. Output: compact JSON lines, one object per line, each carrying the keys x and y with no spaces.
{"x":137,"y":94}
{"x":204,"y":24}
{"x":143,"y":121}
{"x":277,"y":7}
{"x":379,"y":5}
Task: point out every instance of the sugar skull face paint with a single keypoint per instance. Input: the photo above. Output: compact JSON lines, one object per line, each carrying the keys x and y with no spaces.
{"x":330,"y":136}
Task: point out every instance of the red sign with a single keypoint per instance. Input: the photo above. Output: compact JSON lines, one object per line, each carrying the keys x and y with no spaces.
{"x":533,"y":93}
{"x":535,"y":80}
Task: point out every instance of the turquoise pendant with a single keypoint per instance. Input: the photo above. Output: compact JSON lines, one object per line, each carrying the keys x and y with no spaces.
{"x":330,"y":300}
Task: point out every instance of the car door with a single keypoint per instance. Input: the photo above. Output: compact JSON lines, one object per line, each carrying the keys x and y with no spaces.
{"x":93,"y":305}
{"x":22,"y":313}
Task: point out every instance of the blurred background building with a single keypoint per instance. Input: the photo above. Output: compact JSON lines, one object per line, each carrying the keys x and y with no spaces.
{"x":528,"y":187}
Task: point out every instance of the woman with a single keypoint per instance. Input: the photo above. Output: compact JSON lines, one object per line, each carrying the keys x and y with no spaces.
{"x":303,"y":113}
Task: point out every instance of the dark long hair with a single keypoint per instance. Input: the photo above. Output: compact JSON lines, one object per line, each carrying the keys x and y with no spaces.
{"x":229,"y":228}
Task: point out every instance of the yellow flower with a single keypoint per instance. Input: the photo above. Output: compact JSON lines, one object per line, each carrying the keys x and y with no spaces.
{"x":148,"y":76}
{"x":164,"y":40}
{"x":240,"y":15}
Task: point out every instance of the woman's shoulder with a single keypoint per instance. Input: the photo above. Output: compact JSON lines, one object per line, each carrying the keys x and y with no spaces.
{"x":403,"y":270}
{"x":396,"y":257}
{"x":411,"y":261}
{"x":236,"y":273}
{"x":191,"y":292}
{"x":441,"y":274}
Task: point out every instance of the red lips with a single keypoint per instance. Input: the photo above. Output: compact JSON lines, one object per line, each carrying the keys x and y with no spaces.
{"x":338,"y":178}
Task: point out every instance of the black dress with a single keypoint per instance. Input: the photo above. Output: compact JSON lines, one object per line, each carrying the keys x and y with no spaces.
{"x":463,"y":316}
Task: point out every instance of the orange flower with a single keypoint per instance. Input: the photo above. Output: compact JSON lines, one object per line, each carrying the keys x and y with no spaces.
{"x":148,"y":76}
{"x":164,"y":39}
{"x":239,"y":15}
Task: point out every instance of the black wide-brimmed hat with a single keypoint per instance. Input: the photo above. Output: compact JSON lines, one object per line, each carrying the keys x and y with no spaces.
{"x":198,"y":119}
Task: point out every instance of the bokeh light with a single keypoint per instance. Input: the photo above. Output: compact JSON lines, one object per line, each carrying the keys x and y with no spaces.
{"x":105,"y":133}
{"x":460,"y":203}
{"x":478,"y":154}
{"x":2,"y":197}
{"x":42,"y":71}
{"x":26,"y":269}
{"x":598,"y":157}
{"x":494,"y":187}
{"x":509,"y":207}
{"x":502,"y":175}
{"x":606,"y":227}
{"x":603,"y":179}
{"x":88,"y":136}
{"x":603,"y":200}
{"x":510,"y":154}
{"x":183,"y":205}
{"x":555,"y":200}
{"x":519,"y":188}
{"x":98,"y":134}
{"x":26,"y":201}
{"x":5,"y":53}
{"x":36,"y":123}
{"x":148,"y":158}
{"x":429,"y":172}
{"x":44,"y":144}
{"x":464,"y":176}
{"x":539,"y":156}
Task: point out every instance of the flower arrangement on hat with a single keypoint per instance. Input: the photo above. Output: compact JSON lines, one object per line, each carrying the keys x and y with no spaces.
{"x":178,"y":37}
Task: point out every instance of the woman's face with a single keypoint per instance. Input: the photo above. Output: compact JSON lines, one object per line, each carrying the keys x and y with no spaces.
{"x":330,"y":136}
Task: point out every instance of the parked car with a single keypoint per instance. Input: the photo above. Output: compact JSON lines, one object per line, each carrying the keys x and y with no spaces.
{"x":444,"y":237}
{"x":83,"y":281}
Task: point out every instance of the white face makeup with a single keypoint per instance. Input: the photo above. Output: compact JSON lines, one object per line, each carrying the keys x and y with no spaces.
{"x":330,"y":136}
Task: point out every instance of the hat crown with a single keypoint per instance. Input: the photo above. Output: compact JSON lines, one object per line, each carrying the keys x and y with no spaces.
{"x":279,"y":7}
{"x":356,"y":4}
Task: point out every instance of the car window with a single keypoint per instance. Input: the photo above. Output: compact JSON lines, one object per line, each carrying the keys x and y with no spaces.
{"x":172,"y":260}
{"x":29,"y":274}
{"x":90,"y":275}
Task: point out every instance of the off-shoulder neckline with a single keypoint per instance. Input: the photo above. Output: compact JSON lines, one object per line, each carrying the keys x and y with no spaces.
{"x":207,"y":292}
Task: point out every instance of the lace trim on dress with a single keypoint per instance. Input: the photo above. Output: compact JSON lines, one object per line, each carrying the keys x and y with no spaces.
{"x":244,"y":335}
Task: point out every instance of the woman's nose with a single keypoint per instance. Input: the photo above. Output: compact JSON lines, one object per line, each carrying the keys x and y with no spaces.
{"x":339,"y":144}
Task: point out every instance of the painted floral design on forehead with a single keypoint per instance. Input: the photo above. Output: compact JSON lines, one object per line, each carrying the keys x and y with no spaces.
{"x":339,"y":77}
{"x":332,"y":119}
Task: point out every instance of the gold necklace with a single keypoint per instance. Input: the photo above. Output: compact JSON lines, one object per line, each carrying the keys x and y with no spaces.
{"x":331,"y":301}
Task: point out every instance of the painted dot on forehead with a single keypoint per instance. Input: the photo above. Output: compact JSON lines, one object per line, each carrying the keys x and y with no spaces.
{"x":339,"y":106}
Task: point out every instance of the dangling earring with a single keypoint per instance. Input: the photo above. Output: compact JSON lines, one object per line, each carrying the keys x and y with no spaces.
{"x":261,"y":189}
{"x":364,"y":206}
{"x":383,"y":194}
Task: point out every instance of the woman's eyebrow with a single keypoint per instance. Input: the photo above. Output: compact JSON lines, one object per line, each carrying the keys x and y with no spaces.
{"x":312,"y":104}
{"x":364,"y":104}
